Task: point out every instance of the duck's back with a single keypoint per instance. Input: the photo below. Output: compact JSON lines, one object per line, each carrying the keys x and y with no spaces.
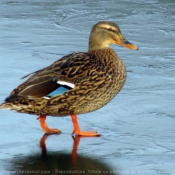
{"x":103,"y":77}
{"x":97,"y":76}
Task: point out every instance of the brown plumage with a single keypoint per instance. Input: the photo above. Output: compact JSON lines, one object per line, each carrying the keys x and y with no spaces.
{"x":90,"y":79}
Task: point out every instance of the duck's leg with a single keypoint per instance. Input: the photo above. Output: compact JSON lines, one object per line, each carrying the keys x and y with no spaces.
{"x":44,"y":126}
{"x":77,"y":131}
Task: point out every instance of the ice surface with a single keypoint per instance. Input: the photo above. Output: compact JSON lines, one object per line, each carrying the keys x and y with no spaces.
{"x":137,"y":126}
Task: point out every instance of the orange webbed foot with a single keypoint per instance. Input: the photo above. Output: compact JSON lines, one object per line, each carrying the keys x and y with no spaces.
{"x":77,"y":131}
{"x":44,"y":126}
{"x":86,"y":133}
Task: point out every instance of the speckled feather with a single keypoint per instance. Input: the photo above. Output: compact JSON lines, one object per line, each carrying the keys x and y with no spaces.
{"x":98,"y":76}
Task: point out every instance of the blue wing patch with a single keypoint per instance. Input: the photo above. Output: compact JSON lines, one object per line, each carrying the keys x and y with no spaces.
{"x":59,"y":91}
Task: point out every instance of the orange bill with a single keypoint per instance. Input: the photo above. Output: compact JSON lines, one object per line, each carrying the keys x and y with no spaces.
{"x":127,"y":44}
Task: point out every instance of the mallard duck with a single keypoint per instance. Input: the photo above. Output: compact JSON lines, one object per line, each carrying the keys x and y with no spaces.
{"x":77,"y":83}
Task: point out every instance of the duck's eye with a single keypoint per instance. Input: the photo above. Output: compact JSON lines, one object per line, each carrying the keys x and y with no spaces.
{"x":110,"y":29}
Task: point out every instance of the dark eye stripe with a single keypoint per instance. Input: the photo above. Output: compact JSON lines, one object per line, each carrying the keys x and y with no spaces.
{"x":110,"y":29}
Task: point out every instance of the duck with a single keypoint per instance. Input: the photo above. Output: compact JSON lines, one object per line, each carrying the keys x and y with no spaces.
{"x":75,"y":84}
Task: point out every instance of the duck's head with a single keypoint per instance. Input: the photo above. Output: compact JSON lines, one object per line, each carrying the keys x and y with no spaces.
{"x":104,"y":34}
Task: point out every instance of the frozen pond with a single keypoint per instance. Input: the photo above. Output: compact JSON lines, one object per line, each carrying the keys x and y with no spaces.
{"x":137,"y":126}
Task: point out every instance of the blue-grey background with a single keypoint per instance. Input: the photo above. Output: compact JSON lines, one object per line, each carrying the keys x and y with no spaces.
{"x":137,"y":126}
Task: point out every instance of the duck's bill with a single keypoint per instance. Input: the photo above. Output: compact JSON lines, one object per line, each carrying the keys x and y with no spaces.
{"x":127,"y":44}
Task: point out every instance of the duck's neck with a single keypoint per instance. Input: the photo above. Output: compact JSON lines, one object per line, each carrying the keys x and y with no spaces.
{"x":104,"y":54}
{"x":96,"y":44}
{"x":100,"y":50}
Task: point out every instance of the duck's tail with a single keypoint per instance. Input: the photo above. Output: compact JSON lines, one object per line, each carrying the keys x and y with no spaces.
{"x":10,"y":106}
{"x":25,"y":105}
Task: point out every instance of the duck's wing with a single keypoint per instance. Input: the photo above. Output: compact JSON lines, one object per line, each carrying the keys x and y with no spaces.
{"x":62,"y":73}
